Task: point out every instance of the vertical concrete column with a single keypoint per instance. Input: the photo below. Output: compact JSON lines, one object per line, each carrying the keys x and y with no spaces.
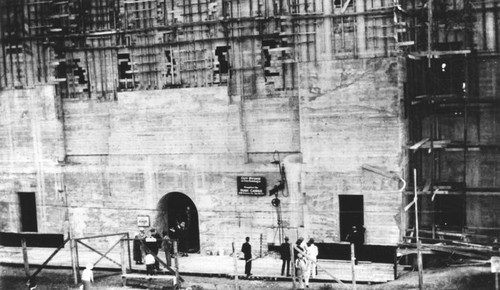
{"x":59,"y":126}
{"x":360,"y":27}
{"x":327,"y":53}
{"x":34,"y":102}
{"x":293,"y":170}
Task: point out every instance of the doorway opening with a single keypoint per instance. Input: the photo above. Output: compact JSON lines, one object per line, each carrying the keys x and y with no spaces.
{"x":350,"y":213}
{"x":27,"y":204}
{"x":178,"y":216}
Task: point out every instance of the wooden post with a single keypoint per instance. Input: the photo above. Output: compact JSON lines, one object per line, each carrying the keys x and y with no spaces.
{"x":395,"y":264}
{"x":419,"y":252}
{"x":129,"y":256}
{"x":292,"y":261}
{"x":235,"y":269}
{"x":429,"y":31}
{"x":261,"y":241}
{"x":25,"y":257}
{"x":73,"y":260}
{"x":353,"y":263}
{"x":123,"y":259}
{"x":176,"y":267}
{"x":77,"y":262}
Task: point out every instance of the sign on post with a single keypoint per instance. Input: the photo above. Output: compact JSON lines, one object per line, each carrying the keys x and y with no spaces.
{"x":251,"y":185}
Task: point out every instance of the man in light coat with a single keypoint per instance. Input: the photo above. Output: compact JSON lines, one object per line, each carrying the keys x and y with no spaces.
{"x":312,"y":253}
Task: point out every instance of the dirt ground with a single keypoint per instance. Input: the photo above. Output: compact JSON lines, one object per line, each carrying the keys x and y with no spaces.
{"x":457,"y":278}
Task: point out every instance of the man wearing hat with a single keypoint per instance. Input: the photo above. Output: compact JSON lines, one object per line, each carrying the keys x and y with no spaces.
{"x":285,"y":257}
{"x":138,"y":246}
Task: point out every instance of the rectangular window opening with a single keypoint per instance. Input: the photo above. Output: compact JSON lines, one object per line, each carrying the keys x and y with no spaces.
{"x":27,"y":204}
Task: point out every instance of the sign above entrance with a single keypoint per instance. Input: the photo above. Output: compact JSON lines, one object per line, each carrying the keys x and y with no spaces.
{"x":251,"y":185}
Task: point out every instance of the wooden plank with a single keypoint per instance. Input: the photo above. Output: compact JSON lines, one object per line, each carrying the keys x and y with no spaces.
{"x":143,"y":276}
{"x":419,"y":144}
{"x":346,"y":4}
{"x":378,"y":170}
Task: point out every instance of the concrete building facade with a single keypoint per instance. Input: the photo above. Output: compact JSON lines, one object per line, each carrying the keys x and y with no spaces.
{"x":115,"y":112}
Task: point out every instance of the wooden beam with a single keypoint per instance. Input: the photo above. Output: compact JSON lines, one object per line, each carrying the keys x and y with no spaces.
{"x":379,"y":171}
{"x":346,"y":4}
{"x":48,"y":259}
{"x":419,"y":144}
{"x":409,"y":205}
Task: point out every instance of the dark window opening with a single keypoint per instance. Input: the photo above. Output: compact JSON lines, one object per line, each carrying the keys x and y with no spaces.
{"x":27,"y":204}
{"x":350,"y":213}
{"x":449,"y":211}
{"x":79,"y":73}
{"x":125,"y":71}
{"x":221,"y":67}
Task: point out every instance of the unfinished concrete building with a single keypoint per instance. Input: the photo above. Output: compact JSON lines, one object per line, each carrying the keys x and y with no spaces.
{"x":114,"y":110}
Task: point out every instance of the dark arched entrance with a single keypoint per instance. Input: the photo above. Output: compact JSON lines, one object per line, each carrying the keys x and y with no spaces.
{"x":173,"y":209}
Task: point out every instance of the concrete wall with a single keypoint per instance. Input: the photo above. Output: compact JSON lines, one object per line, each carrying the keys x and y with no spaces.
{"x":31,"y":148}
{"x":123,"y":156}
{"x":350,"y":117}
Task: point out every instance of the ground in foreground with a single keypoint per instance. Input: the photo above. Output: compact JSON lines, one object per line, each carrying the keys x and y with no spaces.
{"x":460,"y":278}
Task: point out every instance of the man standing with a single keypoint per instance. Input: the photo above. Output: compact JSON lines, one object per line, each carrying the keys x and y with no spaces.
{"x":357,"y":237}
{"x":187,"y":229}
{"x":167,"y":247}
{"x":246,"y":248}
{"x":285,"y":256}
{"x":153,"y":243}
{"x":138,"y":246}
{"x":312,"y":252}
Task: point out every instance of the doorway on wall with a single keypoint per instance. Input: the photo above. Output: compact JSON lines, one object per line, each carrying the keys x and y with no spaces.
{"x":350,"y":213}
{"x":176,"y":208}
{"x":27,"y":204}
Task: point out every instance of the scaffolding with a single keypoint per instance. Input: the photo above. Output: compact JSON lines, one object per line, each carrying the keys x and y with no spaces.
{"x":453,"y":126}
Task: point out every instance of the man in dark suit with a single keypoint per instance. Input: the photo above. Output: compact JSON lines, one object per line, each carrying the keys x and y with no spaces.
{"x":246,"y":248}
{"x":285,"y":256}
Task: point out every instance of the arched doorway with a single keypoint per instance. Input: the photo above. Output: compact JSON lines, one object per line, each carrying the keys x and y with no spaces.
{"x":173,"y":209}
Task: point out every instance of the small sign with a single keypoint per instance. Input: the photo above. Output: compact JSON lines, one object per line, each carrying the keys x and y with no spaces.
{"x":143,"y":221}
{"x":251,"y":185}
{"x":495,"y":264}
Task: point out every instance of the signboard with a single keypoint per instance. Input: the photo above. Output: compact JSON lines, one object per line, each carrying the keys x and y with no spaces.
{"x":251,"y":185}
{"x":143,"y":221}
{"x":495,"y":264}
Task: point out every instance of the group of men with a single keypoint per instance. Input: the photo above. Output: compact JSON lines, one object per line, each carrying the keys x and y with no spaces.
{"x":305,"y":258}
{"x":147,"y":246}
